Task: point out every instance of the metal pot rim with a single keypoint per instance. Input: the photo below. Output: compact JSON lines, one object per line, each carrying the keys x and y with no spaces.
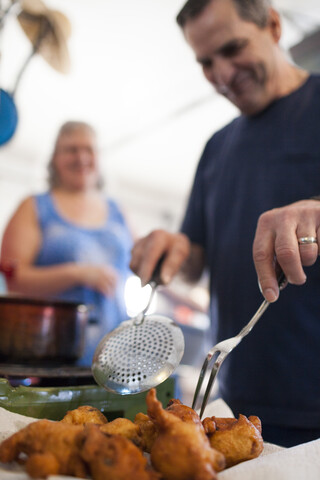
{"x":17,"y":299}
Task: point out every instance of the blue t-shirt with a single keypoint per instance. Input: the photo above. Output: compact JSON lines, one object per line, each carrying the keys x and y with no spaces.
{"x":64,"y":241}
{"x":252,"y":165}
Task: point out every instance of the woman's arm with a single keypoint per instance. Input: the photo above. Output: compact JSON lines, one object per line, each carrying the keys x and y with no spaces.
{"x":20,"y":245}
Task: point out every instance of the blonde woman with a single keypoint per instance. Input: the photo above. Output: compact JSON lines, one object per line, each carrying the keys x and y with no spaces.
{"x":72,"y":242}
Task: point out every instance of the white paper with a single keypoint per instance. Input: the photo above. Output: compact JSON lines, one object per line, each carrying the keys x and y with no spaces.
{"x":297,"y":463}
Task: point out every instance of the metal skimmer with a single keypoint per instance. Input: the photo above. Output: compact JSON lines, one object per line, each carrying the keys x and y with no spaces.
{"x":140,"y":354}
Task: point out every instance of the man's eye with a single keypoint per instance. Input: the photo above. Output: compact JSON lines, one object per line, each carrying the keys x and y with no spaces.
{"x":206,"y":63}
{"x":230,"y":51}
{"x":233,"y":49}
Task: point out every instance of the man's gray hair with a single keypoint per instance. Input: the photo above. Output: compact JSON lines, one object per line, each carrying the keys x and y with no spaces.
{"x":255,"y":11}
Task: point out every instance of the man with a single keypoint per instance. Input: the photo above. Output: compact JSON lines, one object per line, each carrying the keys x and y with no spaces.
{"x":265,"y":159}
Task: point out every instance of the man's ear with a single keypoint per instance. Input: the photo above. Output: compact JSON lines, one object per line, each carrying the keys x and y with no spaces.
{"x":274,"y":24}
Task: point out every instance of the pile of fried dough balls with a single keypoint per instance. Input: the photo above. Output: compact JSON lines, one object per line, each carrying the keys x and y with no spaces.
{"x":166,"y":444}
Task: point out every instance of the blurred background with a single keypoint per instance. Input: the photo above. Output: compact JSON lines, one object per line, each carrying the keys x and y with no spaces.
{"x":127,"y":70}
{"x":133,"y":76}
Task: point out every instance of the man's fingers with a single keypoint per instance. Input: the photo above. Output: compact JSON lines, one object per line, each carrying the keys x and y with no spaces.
{"x":308,"y":245}
{"x":294,"y":249}
{"x":178,"y":253}
{"x":156,"y":245}
{"x":287,"y":234}
{"x":288,"y":257}
{"x":136,"y":256}
{"x":308,"y":254}
{"x":147,"y":252}
{"x":263,"y":257}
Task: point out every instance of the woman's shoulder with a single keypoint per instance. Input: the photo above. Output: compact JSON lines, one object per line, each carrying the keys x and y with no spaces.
{"x":116,"y":213}
{"x":113,"y":205}
{"x":42,"y":200}
{"x":40,"y":196}
{"x":26,"y":204}
{"x":25,"y":210}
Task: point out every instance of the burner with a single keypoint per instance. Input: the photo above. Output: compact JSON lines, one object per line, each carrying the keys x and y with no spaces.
{"x":47,"y":375}
{"x":43,"y":392}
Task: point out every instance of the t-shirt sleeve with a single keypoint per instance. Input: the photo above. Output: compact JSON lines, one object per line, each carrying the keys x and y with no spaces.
{"x":193,"y":224}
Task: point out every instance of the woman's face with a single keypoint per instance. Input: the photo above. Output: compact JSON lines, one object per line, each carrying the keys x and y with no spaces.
{"x":75,"y":160}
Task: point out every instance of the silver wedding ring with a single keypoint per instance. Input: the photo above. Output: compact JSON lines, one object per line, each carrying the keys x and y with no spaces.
{"x":307,"y":240}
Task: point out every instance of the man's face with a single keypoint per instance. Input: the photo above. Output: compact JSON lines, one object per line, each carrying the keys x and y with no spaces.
{"x":237,"y":57}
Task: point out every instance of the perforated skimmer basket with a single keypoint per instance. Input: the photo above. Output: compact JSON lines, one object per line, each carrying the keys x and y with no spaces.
{"x":138,"y":356}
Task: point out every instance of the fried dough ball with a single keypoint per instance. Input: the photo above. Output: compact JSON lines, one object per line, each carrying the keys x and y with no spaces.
{"x":182,"y":450}
{"x":238,"y":440}
{"x":125,"y":428}
{"x":148,"y":431}
{"x":50,"y":447}
{"x":120,"y":426}
{"x":186,"y":414}
{"x":40,"y":465}
{"x":256,"y":422}
{"x":113,"y":457}
{"x":83,"y":415}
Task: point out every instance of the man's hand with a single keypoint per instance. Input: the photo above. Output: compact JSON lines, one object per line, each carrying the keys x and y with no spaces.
{"x":175,"y":247}
{"x":276,"y":240}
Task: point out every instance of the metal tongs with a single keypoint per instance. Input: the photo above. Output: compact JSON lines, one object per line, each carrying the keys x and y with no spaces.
{"x":225,"y":347}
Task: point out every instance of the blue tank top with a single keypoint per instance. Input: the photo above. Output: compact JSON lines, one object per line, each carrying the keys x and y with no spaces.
{"x":64,"y":241}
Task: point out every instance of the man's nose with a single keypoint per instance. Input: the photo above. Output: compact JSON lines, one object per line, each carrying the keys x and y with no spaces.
{"x":222,"y":74}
